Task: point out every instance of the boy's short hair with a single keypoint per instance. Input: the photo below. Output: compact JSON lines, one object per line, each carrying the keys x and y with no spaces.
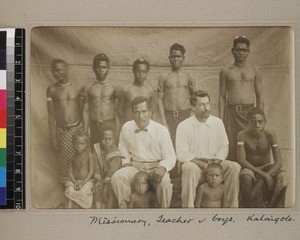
{"x":56,"y":61}
{"x":81,"y":134}
{"x":179,"y":47}
{"x":139,"y":175}
{"x":138,"y":100}
{"x":199,"y":93}
{"x":106,"y":127}
{"x":241,"y":39}
{"x":213,"y":165}
{"x":255,"y":110}
{"x":101,"y":57}
{"x":140,"y":61}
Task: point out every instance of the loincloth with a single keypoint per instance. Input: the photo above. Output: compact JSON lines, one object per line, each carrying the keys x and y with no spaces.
{"x":84,"y":196}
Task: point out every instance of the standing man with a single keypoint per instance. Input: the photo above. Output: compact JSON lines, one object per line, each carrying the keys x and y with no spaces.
{"x":201,"y":139}
{"x":140,"y":70}
{"x":240,"y":89}
{"x":64,"y":113}
{"x":99,"y":99}
{"x":146,"y":146}
{"x":174,"y":90}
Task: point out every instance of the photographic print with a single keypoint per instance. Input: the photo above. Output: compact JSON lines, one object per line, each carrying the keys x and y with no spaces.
{"x":162,"y":117}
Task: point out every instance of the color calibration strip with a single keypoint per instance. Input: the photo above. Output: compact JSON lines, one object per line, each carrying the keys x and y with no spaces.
{"x":12,"y":101}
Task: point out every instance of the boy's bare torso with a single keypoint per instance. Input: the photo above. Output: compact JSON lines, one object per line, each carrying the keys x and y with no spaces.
{"x":177,"y":90}
{"x":66,"y":102}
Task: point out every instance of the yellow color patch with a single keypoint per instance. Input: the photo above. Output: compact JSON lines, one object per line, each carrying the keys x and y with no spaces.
{"x":2,"y":137}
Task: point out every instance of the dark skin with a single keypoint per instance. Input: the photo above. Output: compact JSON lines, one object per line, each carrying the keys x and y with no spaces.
{"x":255,"y":153}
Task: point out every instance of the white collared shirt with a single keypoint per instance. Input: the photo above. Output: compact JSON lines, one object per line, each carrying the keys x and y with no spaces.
{"x":151,"y":148}
{"x":195,"y":139}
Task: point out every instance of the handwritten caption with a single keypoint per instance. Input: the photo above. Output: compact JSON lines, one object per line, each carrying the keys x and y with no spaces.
{"x":219,"y":219}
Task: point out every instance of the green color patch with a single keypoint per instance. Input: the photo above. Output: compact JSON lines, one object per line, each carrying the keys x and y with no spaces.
{"x":2,"y":157}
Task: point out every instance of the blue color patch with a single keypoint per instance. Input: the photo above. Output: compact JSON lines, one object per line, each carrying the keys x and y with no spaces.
{"x":2,"y":177}
{"x":2,"y":196}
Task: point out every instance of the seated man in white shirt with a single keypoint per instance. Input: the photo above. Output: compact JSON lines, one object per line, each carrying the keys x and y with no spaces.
{"x":146,"y":146}
{"x":200,"y":140}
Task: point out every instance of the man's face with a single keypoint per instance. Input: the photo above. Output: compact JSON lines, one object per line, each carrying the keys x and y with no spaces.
{"x":101,"y":70}
{"x":60,"y":72}
{"x":176,"y":59}
{"x":141,"y":185}
{"x":256,"y":123}
{"x":140,"y":73}
{"x":202,"y":108}
{"x":214,"y":177}
{"x":80,"y":144}
{"x":240,"y":52}
{"x":141,"y":115}
{"x":107,"y":140}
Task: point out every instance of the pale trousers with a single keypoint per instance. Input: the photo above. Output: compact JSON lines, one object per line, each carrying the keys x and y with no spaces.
{"x":122,"y":182}
{"x":192,"y":175}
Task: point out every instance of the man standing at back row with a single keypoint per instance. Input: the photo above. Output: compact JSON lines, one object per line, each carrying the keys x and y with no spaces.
{"x":174,"y":90}
{"x":99,"y":99}
{"x":240,"y":85}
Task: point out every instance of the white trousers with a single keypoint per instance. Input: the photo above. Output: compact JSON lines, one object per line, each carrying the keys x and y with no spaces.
{"x":192,"y":174}
{"x":122,"y":181}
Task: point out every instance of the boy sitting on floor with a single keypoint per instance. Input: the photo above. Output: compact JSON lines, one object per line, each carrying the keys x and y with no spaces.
{"x":263,"y":184}
{"x":81,"y":170}
{"x":107,"y":159}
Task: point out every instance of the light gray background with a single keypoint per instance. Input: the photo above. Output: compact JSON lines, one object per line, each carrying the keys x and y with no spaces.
{"x":34,"y":224}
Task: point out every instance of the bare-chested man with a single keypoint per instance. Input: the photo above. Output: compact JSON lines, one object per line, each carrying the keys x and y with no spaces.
{"x":64,"y":113}
{"x":263,"y":183}
{"x":99,"y":99}
{"x":139,"y":87}
{"x":174,"y":90}
{"x":240,"y":89}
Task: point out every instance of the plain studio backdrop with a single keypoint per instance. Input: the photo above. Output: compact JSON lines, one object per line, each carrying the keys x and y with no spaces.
{"x":208,"y":50}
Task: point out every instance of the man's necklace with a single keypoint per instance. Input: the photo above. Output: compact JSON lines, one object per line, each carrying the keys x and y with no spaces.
{"x":64,"y":84}
{"x":101,"y":82}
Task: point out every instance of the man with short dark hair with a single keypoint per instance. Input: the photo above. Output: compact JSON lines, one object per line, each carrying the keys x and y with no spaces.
{"x":201,"y":139}
{"x":146,"y":146}
{"x":240,"y":89}
{"x":174,"y":90}
{"x":99,"y":99}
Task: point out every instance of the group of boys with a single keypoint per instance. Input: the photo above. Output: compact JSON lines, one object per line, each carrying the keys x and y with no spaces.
{"x":98,"y":171}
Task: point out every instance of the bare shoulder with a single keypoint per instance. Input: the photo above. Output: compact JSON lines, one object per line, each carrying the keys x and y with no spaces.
{"x":227,"y":69}
{"x":163,"y":76}
{"x":271,"y":136}
{"x":51,"y":89}
{"x":242,"y":135}
{"x":87,"y":87}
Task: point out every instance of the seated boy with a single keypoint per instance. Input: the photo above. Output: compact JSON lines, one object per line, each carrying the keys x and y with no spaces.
{"x":211,"y":194}
{"x":107,"y":160}
{"x":142,"y":197}
{"x":263,"y":184}
{"x":80,"y":183}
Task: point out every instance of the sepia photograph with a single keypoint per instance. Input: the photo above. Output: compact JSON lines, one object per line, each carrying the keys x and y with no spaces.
{"x":162,"y":117}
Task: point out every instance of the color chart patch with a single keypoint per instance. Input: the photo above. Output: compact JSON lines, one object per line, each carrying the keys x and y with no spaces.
{"x":12,"y":118}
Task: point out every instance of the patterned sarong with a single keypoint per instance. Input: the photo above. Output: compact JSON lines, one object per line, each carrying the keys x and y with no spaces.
{"x":83,"y":197}
{"x":65,"y":149}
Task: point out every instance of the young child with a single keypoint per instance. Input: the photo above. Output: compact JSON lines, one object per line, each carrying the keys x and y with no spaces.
{"x":80,"y":184}
{"x":142,"y":197}
{"x":107,"y":160}
{"x":211,"y":194}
